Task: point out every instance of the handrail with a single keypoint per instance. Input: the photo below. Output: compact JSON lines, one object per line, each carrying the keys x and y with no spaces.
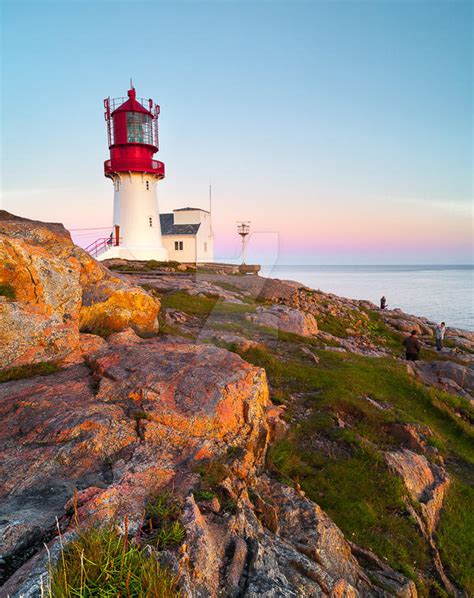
{"x":100,"y":245}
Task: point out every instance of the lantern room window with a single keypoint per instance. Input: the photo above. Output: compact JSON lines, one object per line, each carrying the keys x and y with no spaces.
{"x":139,"y":128}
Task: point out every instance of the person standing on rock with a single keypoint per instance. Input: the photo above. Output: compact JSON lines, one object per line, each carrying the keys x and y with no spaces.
{"x":439,"y":335}
{"x":383,"y":302}
{"x":412,"y":346}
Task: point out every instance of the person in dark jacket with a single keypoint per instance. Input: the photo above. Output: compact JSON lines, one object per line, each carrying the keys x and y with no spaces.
{"x":383,"y":302}
{"x":412,"y":346}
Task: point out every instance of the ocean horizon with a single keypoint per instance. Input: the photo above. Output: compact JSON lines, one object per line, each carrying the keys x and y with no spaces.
{"x":437,"y":292}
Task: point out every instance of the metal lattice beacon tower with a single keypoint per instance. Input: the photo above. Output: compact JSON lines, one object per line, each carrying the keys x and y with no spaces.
{"x":132,"y":128}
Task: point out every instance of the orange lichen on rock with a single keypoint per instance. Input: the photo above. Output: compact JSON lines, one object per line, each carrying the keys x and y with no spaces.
{"x":53,"y":291}
{"x":124,"y":308}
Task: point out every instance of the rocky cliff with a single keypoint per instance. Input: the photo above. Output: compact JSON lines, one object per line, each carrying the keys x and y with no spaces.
{"x":53,"y":290}
{"x":210,"y":439}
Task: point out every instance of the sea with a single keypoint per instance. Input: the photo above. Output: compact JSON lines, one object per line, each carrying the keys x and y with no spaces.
{"x":440,"y":293}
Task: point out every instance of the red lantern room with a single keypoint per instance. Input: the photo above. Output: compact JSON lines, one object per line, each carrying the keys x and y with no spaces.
{"x":132,"y":128}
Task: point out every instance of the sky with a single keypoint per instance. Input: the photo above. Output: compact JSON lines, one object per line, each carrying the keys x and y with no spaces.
{"x":342,"y":130}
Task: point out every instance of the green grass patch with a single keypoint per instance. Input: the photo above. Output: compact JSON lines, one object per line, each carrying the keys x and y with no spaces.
{"x":162,"y":520}
{"x":102,"y":563}
{"x":203,"y":306}
{"x":382,"y":334}
{"x":452,"y":345}
{"x":7,"y":290}
{"x":227,"y":286}
{"x":225,"y":308}
{"x":147,"y":266}
{"x":126,"y":267}
{"x":362,"y":497}
{"x":27,"y":371}
{"x":166,"y":328}
{"x":455,"y":534}
{"x":341,"y":381}
{"x":204,"y":494}
{"x":155,"y":265}
{"x":334,"y":325}
{"x":339,"y":470}
{"x":189,"y":304}
{"x":212,"y":473}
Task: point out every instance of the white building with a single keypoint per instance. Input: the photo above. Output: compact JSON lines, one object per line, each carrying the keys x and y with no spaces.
{"x":187,"y":235}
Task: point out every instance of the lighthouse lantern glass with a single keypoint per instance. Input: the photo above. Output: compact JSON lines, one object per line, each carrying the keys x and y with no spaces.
{"x":139,"y":128}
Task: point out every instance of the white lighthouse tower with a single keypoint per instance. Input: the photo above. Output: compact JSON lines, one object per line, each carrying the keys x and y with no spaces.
{"x":132,"y":127}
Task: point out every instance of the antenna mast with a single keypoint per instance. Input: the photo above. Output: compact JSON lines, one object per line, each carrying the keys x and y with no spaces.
{"x":243,"y":228}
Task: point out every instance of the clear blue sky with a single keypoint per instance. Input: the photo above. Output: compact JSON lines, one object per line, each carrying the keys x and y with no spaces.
{"x":341,"y":129}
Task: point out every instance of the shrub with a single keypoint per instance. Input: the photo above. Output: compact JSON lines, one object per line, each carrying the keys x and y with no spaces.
{"x":204,"y":494}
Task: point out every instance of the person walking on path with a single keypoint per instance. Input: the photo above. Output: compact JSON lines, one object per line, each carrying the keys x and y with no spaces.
{"x":412,"y":346}
{"x":439,"y":335}
{"x":383,"y":303}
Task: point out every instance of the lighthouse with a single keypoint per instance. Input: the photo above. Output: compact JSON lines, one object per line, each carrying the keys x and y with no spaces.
{"x":132,"y":129}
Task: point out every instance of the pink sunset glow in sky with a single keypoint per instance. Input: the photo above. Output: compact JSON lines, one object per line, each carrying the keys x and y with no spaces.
{"x":342,"y":131}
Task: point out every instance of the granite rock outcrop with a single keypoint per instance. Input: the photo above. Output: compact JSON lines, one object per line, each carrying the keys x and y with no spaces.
{"x":119,"y":429}
{"x":53,"y":289}
{"x":285,"y":319}
{"x":138,"y":417}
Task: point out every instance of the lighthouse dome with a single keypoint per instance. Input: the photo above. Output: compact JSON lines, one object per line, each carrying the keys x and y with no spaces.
{"x":132,"y":104}
{"x":132,"y":126}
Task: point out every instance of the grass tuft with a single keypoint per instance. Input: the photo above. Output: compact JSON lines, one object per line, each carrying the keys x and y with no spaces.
{"x":102,"y":563}
{"x":162,"y":523}
{"x":212,"y":473}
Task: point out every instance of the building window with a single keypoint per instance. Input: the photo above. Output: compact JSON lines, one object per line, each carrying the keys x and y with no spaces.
{"x":205,"y":247}
{"x":178,"y":245}
{"x":147,"y":184}
{"x":117,"y":184}
{"x":139,"y":128}
{"x":150,"y":221}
